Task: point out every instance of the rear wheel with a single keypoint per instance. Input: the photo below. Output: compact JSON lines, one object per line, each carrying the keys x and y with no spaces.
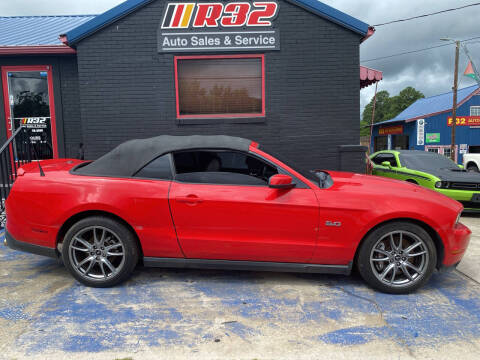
{"x":100,"y":252}
{"x":412,"y":181}
{"x":397,"y":258}
{"x":472,"y":168}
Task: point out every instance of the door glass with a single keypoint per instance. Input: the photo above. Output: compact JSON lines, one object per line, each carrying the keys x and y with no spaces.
{"x":30,"y":106}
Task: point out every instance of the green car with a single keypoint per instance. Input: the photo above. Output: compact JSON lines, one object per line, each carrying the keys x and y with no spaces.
{"x":430,"y":170}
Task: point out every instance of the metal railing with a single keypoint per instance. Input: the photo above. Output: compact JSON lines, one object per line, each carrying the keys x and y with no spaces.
{"x":18,"y":150}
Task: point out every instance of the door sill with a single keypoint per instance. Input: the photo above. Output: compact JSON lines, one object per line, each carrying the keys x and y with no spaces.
{"x":246,"y":265}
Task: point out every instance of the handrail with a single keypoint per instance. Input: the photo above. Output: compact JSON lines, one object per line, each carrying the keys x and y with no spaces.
{"x":11,"y":139}
{"x":13,"y":154}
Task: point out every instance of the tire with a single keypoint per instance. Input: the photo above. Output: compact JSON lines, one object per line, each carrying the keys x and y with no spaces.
{"x":472,"y":168}
{"x":377,"y":254}
{"x":412,"y":181}
{"x":105,"y":262}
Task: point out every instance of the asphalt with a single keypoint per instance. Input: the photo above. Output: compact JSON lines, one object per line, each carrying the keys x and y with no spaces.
{"x":177,"y":314}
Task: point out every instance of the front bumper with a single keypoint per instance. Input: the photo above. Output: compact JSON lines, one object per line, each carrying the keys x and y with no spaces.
{"x":455,"y":245}
{"x":30,"y":248}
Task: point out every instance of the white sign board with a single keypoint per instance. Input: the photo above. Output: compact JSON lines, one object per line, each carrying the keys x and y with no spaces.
{"x":421,"y":132}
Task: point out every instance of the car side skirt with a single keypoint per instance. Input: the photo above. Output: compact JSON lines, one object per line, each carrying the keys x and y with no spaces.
{"x":246,"y":265}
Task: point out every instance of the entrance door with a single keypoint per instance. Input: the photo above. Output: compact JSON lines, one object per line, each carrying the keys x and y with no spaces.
{"x":28,"y":99}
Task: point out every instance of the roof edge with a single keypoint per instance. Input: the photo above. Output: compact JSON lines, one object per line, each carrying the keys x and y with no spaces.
{"x":73,"y":36}
{"x":468,"y":97}
{"x":334,"y":15}
{"x":100,"y":21}
{"x":36,"y":49}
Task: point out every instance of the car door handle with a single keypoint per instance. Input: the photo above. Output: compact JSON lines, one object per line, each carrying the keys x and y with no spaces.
{"x":189,"y":199}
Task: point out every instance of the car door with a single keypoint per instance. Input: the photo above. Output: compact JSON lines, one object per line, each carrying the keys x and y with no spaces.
{"x":222,"y":208}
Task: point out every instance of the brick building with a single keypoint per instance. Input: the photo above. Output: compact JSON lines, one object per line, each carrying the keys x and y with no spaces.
{"x":284,"y":73}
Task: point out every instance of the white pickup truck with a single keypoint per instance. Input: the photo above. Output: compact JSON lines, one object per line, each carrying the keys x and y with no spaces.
{"x":471,"y":162}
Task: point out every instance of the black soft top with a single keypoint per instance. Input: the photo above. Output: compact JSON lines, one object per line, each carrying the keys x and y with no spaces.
{"x":127,"y":158}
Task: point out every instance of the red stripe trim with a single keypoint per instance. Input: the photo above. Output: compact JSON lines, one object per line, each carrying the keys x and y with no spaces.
{"x":223,"y":116}
{"x":43,"y":49}
{"x":178,"y":15}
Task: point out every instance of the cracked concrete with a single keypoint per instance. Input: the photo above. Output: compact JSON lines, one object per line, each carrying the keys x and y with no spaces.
{"x":178,"y":314}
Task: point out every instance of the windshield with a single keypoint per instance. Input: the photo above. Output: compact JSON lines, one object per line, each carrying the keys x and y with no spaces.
{"x":310,"y":175}
{"x":426,"y":160}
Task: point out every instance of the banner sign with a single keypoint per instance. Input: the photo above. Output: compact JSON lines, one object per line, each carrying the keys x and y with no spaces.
{"x":391,"y":130}
{"x":464,"y":121}
{"x":214,"y":26}
{"x":432,"y":138}
{"x":421,"y":132}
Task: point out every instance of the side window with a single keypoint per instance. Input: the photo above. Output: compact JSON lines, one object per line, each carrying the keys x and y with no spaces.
{"x":222,"y":167}
{"x":380,"y":158}
{"x":159,"y":168}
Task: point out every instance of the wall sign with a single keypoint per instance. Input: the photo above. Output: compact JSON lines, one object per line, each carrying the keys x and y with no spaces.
{"x":432,"y":138}
{"x":464,"y":121}
{"x":214,"y":26}
{"x":391,"y":130}
{"x":421,"y":132}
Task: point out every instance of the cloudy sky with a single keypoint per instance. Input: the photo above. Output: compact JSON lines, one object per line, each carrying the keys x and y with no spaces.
{"x":429,"y":71}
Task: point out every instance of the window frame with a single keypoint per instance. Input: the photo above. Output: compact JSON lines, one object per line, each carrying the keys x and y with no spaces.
{"x":219,"y":116}
{"x":475,"y":107}
{"x":385,"y":154}
{"x":299,"y":184}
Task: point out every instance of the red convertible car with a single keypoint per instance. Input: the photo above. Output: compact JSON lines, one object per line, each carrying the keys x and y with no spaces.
{"x":223,"y":202}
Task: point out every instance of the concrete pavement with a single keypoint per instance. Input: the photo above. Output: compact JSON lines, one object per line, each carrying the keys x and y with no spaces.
{"x":174,"y":314}
{"x":470,"y":264}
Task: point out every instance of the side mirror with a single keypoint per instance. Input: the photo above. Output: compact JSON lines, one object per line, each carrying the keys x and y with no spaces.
{"x":386,"y":164}
{"x":280,"y":181}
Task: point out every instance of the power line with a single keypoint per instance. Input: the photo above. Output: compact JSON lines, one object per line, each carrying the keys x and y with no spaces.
{"x":430,"y":14}
{"x":415,"y":51}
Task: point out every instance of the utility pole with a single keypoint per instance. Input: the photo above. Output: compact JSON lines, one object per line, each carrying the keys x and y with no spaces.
{"x":454,"y":107}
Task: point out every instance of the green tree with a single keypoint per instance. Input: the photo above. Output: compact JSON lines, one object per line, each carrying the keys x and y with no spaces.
{"x":388,"y":107}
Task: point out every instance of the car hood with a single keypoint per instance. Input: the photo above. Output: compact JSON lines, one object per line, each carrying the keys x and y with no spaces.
{"x":384,"y":188}
{"x":454,"y":175}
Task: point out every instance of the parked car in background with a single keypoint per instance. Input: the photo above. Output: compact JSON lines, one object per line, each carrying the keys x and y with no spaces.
{"x":222,"y":202}
{"x":430,"y":170}
{"x":471,"y":162}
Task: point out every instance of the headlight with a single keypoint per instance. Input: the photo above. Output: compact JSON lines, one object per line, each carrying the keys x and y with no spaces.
{"x":458,"y":218}
{"x":442,"y":184}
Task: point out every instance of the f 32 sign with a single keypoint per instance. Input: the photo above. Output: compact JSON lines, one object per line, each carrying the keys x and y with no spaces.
{"x":213,"y":26}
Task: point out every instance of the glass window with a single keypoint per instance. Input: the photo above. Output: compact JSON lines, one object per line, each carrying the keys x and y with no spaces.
{"x":380,"y":158}
{"x":223,"y":167}
{"x":474,"y":110}
{"x":159,"y":168}
{"x":447,"y":152}
{"x":433,"y":150}
{"x":216,"y":86}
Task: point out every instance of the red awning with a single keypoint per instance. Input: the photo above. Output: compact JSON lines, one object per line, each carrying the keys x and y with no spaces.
{"x":369,"y":76}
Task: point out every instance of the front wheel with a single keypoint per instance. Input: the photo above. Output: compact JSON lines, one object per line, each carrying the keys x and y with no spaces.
{"x":100,"y":252}
{"x":397,"y":258}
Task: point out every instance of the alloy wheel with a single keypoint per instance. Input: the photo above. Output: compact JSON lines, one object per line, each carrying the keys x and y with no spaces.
{"x":399,"y":258}
{"x":97,"y":253}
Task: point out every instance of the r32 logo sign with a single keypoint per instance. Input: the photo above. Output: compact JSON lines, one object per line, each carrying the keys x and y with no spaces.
{"x":211,"y":15}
